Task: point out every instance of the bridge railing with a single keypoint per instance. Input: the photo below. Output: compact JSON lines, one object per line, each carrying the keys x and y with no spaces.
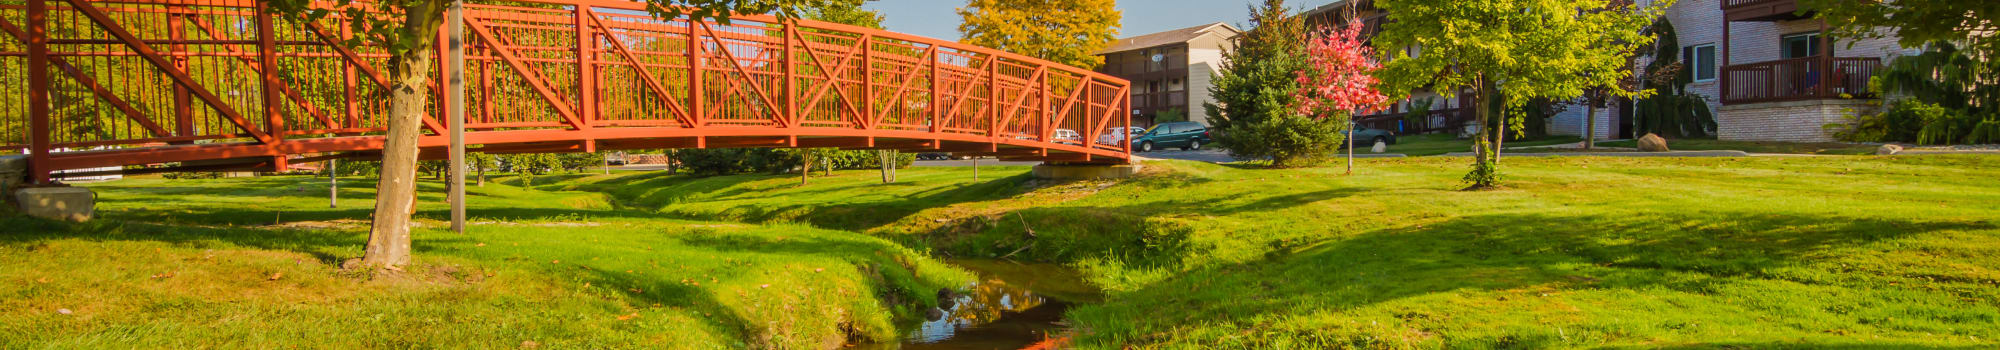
{"x":165,"y":78}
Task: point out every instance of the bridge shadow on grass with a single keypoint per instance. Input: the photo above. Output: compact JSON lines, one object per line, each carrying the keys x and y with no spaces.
{"x":1720,"y":260}
{"x":814,"y":208}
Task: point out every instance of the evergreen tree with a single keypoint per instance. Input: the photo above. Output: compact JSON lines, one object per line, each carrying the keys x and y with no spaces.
{"x":1254,"y":114}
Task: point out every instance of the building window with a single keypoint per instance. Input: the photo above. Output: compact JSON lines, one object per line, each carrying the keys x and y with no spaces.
{"x":1700,"y":60}
{"x":1800,"y":45}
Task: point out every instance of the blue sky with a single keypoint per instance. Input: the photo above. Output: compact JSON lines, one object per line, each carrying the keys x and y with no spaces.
{"x":939,"y":19}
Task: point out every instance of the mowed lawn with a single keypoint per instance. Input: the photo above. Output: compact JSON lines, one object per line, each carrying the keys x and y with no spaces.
{"x":1886,"y":252}
{"x":254,"y":263}
{"x":1856,"y":252}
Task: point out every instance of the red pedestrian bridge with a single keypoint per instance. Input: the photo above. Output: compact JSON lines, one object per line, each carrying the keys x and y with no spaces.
{"x":183,"y":85}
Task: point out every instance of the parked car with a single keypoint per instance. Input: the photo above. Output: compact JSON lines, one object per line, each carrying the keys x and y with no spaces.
{"x":615,"y":158}
{"x":938,"y":156}
{"x":1367,"y":137}
{"x":1186,"y":135}
{"x":1127,"y":134}
{"x":1068,"y":136}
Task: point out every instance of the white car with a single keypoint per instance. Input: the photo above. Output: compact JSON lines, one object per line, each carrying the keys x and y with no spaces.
{"x":1068,"y":136}
{"x":1128,"y":134}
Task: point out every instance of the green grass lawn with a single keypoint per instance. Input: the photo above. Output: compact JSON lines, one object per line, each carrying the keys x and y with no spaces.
{"x":253,"y":263}
{"x":1860,"y":252}
{"x":1575,"y":252}
{"x":1439,"y":144}
{"x":1829,"y":148}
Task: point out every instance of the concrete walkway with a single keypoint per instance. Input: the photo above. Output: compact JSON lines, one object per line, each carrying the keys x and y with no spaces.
{"x":1218,"y":156}
{"x":1615,"y":154}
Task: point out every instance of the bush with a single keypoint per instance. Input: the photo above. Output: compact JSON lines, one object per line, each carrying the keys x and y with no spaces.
{"x":1291,"y":140}
{"x":727,"y":161}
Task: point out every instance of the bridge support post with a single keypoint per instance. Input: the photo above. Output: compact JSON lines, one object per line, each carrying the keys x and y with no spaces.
{"x":1059,"y":171}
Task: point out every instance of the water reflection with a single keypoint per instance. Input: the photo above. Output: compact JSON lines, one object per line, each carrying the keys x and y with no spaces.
{"x":1012,"y":305}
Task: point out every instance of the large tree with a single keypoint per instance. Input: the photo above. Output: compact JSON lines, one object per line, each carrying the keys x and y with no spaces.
{"x":1973,"y":24}
{"x":1061,"y":31}
{"x":1510,"y":52}
{"x":408,"y":30}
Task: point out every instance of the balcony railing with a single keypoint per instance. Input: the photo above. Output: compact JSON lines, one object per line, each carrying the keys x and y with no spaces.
{"x":1799,"y":79}
{"x":1737,"y":4}
{"x":1151,"y":102}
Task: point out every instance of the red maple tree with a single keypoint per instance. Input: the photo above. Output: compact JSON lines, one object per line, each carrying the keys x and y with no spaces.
{"x":1339,"y":75}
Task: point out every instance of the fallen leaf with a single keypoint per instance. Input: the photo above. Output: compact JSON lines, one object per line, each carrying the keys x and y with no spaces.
{"x":530,"y":344}
{"x":764,"y":286}
{"x":628,"y":317}
{"x":555,"y":261}
{"x":63,"y":311}
{"x":163,"y":275}
{"x":819,"y":269}
{"x":636,"y":290}
{"x":44,"y":279}
{"x":277,"y":275}
{"x":479,"y":245}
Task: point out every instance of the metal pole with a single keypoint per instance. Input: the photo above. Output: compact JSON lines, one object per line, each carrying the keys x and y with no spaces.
{"x":333,"y":183}
{"x":455,"y":110}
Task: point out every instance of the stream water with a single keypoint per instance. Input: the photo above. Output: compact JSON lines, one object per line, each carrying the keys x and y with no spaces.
{"x":1011,"y":306}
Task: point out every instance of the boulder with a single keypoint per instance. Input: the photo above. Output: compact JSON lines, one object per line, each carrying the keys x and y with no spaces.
{"x":1379,"y":147}
{"x":1652,"y":143}
{"x":1888,"y":150}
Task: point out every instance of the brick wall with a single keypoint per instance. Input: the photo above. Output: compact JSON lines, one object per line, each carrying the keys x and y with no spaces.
{"x":1798,"y":121}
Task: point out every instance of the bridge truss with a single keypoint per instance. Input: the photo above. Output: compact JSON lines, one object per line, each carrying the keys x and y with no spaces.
{"x":179,"y":85}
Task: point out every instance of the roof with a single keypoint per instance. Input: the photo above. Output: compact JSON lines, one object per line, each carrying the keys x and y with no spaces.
{"x":1170,"y":37}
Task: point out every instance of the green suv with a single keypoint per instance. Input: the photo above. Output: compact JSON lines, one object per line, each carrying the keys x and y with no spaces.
{"x":1186,"y":135}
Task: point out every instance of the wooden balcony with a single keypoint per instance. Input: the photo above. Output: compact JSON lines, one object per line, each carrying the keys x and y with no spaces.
{"x":1761,"y":10}
{"x":1150,"y":103}
{"x":1798,"y":79}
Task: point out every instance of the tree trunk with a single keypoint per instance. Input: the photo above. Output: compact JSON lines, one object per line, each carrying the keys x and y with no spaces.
{"x":805,"y":168}
{"x":1589,"y":122}
{"x":1486,"y":153}
{"x":1350,"y":147}
{"x":396,"y":193}
{"x":482,"y":175}
{"x":333,"y":183}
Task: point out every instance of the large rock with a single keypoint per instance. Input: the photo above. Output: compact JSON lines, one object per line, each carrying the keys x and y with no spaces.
{"x":1652,"y":143}
{"x":1379,"y":147}
{"x":1888,"y":150}
{"x":57,"y":203}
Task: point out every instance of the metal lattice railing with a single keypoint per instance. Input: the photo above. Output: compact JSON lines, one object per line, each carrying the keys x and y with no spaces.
{"x":133,"y":82}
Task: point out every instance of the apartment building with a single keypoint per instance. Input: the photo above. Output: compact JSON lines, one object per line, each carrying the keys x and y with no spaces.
{"x":1171,"y":70}
{"x":1765,"y":69}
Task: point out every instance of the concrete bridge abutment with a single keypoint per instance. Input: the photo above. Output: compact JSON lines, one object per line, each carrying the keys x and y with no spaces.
{"x":51,"y":202}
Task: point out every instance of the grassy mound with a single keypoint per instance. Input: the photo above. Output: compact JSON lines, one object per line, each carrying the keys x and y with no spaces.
{"x":253,"y":263}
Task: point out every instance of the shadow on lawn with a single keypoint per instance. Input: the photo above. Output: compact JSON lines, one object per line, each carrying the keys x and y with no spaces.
{"x":1699,"y":253}
{"x":662,"y":193}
